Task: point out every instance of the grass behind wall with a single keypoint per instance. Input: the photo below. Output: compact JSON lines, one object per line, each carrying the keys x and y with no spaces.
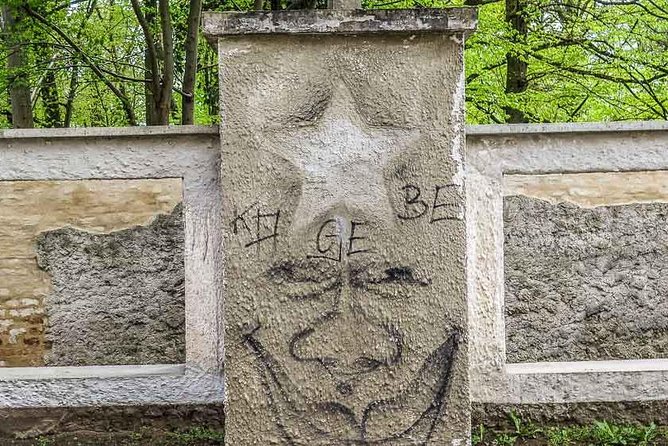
{"x":598,"y":433}
{"x":522,"y":433}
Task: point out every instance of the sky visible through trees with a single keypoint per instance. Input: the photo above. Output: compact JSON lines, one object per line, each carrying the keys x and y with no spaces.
{"x":78,"y":63}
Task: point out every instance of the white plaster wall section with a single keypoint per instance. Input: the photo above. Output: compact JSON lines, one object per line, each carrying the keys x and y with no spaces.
{"x":536,"y":149}
{"x":484,"y":207}
{"x":554,"y":387}
{"x":561,"y":148}
{"x":204,"y":259}
{"x":123,"y":153}
{"x":79,"y":372}
{"x":636,"y":365}
{"x":191,"y":153}
{"x":188,"y":388}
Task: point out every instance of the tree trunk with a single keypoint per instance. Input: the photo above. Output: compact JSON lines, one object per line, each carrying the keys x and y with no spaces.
{"x":19,"y":87}
{"x":159,"y":80}
{"x":167,"y":81}
{"x":151,"y":65}
{"x":190,"y":70}
{"x":516,"y":67}
{"x":51,"y":100}
{"x":71,"y":95}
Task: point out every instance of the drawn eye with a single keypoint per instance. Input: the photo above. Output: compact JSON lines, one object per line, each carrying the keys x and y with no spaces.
{"x":300,"y":272}
{"x":392,"y":283}
{"x":390,"y":291}
{"x":311,"y":290}
{"x":302,"y":281}
{"x":399,"y":274}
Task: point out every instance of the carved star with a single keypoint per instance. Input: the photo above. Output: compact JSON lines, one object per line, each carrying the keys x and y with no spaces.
{"x":342,"y":159}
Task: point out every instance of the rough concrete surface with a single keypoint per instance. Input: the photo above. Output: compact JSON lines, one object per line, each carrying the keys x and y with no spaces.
{"x":585,"y":283}
{"x":117,"y":298}
{"x":344,"y":235}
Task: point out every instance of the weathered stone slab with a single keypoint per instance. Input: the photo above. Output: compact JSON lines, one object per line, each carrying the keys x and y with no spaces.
{"x":585,"y":283}
{"x":344,"y":238}
{"x":356,"y":21}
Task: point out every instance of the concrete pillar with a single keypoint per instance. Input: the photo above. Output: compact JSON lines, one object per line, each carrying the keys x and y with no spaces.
{"x":344,"y":226}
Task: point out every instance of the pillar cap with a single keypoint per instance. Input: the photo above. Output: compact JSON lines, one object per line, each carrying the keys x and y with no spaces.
{"x":327,"y":21}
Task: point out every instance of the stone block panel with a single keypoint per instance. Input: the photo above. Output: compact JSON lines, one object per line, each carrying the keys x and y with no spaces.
{"x":345,"y":240}
{"x":584,"y":281}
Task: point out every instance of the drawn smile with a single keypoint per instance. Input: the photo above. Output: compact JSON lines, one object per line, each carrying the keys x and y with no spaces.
{"x":295,"y":413}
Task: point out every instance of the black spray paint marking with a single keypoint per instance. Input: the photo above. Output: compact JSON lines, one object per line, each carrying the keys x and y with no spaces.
{"x":259,"y":226}
{"x":446,"y":204}
{"x":329,"y":242}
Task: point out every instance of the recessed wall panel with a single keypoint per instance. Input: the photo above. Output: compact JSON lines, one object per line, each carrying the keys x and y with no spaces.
{"x":91,"y":273}
{"x":586,"y":263}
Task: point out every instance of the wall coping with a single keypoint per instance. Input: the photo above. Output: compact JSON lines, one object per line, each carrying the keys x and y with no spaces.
{"x":569,"y":127}
{"x":328,"y":21}
{"x":212,"y":130}
{"x":109,"y":132}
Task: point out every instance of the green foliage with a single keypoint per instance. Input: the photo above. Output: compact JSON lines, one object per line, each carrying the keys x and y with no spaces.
{"x":196,"y":436}
{"x":523,"y":433}
{"x":478,"y":434}
{"x":524,"y":429}
{"x":504,"y":439}
{"x":43,"y":441}
{"x":586,"y":60}
{"x":600,"y":433}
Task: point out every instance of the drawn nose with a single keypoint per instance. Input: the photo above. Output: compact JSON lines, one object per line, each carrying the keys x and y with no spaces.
{"x":346,"y":340}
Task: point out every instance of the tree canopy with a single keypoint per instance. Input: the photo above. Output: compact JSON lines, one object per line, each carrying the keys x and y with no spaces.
{"x":74,"y":63}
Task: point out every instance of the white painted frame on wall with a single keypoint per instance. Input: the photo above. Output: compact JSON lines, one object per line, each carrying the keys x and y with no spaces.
{"x":494,"y":151}
{"x":188,"y":152}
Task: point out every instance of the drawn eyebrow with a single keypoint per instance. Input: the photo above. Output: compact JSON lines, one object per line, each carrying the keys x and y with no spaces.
{"x":395,"y":274}
{"x":399,"y":274}
{"x":300,"y":272}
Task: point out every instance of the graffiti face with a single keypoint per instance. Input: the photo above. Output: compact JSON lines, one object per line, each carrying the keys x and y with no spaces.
{"x":358,"y":359}
{"x":348,"y":281}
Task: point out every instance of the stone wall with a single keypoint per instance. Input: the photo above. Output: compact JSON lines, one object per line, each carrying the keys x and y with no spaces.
{"x":586,"y":257}
{"x":345,"y":235}
{"x":30,"y":208}
{"x":532,"y":150}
